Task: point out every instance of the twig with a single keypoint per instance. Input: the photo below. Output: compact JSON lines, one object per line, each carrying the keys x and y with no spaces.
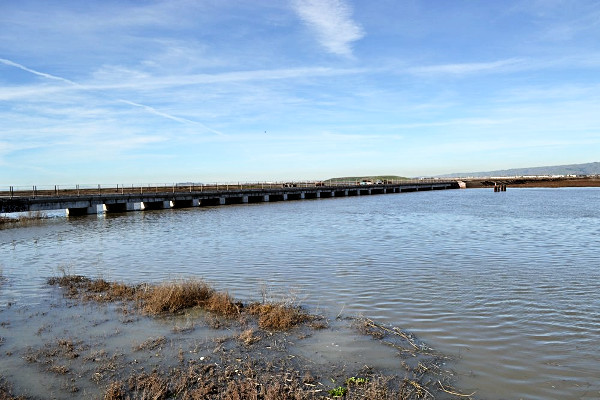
{"x":396,"y":332}
{"x":455,"y":393}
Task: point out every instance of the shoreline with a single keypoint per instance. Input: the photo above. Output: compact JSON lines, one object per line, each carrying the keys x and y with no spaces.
{"x":108,"y":340}
{"x":542,"y":182}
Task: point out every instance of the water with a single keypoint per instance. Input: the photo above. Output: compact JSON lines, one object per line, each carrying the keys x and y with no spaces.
{"x":509,"y":283}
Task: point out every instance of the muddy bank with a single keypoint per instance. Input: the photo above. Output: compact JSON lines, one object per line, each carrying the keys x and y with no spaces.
{"x":535,"y":182}
{"x":100,"y":339}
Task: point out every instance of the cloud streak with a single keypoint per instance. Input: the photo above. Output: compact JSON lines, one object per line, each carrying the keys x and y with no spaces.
{"x":38,"y":73}
{"x":467,"y":68}
{"x":149,"y":109}
{"x":331,"y":21}
{"x":168,"y":116}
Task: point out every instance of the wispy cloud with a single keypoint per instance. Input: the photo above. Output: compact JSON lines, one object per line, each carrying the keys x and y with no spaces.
{"x":467,"y":68}
{"x":332,"y":22}
{"x":72,"y":83}
{"x":168,"y":116}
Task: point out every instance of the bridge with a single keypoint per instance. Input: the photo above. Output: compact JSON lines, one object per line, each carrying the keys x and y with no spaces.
{"x":78,"y":200}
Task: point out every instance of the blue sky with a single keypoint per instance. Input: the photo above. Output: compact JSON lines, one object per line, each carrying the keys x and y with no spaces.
{"x":180,"y":90}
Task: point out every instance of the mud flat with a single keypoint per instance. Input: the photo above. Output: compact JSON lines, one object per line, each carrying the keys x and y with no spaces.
{"x":185,"y":340}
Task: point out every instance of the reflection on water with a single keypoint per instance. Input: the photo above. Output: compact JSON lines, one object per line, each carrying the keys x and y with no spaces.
{"x":509,"y":282}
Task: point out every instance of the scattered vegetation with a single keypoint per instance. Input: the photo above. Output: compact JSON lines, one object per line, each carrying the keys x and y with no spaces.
{"x":6,"y":391}
{"x":232,"y":366}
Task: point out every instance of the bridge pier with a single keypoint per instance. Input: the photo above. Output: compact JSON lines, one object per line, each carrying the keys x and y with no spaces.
{"x":156,"y":205}
{"x":79,"y":211}
{"x":185,"y":203}
{"x":295,"y":196}
{"x":122,"y":207}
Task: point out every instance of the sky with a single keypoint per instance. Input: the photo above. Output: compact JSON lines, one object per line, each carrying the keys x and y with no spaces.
{"x":146,"y":91}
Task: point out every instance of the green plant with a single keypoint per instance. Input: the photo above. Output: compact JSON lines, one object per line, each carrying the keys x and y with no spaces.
{"x":356,"y":381}
{"x":339,"y":391}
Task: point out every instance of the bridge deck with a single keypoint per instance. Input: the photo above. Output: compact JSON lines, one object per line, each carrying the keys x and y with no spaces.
{"x":88,"y":201}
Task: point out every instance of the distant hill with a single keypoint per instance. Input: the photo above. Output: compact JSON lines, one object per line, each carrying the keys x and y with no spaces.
{"x":571,"y":169}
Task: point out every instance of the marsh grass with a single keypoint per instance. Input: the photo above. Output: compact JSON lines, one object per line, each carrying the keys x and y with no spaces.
{"x":278,"y":316}
{"x":177,"y":296}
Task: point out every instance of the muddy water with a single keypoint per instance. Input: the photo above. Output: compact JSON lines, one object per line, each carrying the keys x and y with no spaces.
{"x":509,"y":283}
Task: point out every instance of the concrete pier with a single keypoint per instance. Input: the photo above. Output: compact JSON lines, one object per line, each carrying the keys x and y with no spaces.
{"x":77,"y":203}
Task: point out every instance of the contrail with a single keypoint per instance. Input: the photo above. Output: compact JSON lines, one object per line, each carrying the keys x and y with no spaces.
{"x":168,"y":116}
{"x":131,"y":103}
{"x":24,"y":68}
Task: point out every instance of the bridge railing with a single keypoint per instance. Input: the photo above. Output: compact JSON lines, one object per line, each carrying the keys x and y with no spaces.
{"x":146,"y":188}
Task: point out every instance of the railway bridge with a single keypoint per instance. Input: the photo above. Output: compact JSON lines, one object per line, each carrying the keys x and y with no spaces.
{"x":78,"y":200}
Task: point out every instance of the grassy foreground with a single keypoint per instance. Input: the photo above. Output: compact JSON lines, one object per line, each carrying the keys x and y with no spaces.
{"x":230,"y":350}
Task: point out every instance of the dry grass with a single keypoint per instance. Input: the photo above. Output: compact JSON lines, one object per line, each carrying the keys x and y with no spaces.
{"x":176,"y":296}
{"x":248,"y":337}
{"x":115,"y":391}
{"x":173,"y":297}
{"x":277,"y":316}
{"x":221,"y":303}
{"x":249,"y":383}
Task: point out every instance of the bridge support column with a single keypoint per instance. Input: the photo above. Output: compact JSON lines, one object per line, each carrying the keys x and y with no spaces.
{"x":266,"y":198}
{"x":244,"y":199}
{"x":221,"y":201}
{"x":122,"y":207}
{"x":78,"y":211}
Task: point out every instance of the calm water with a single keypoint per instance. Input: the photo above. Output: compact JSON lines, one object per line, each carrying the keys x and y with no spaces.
{"x":507,"y":282}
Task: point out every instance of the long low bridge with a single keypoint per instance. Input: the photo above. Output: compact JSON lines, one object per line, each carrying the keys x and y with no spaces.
{"x":78,"y":200}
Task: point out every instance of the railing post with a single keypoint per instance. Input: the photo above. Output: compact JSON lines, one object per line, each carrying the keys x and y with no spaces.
{"x":11,"y":192}
{"x":77,"y":186}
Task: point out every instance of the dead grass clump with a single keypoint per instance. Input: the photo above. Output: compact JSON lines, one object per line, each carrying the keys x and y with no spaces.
{"x":98,"y":290}
{"x":69,"y":280}
{"x":278,"y":317}
{"x":248,"y":337}
{"x":176,"y":296}
{"x":221,"y":303}
{"x":59,"y":369}
{"x":152,"y":386}
{"x":115,"y":391}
